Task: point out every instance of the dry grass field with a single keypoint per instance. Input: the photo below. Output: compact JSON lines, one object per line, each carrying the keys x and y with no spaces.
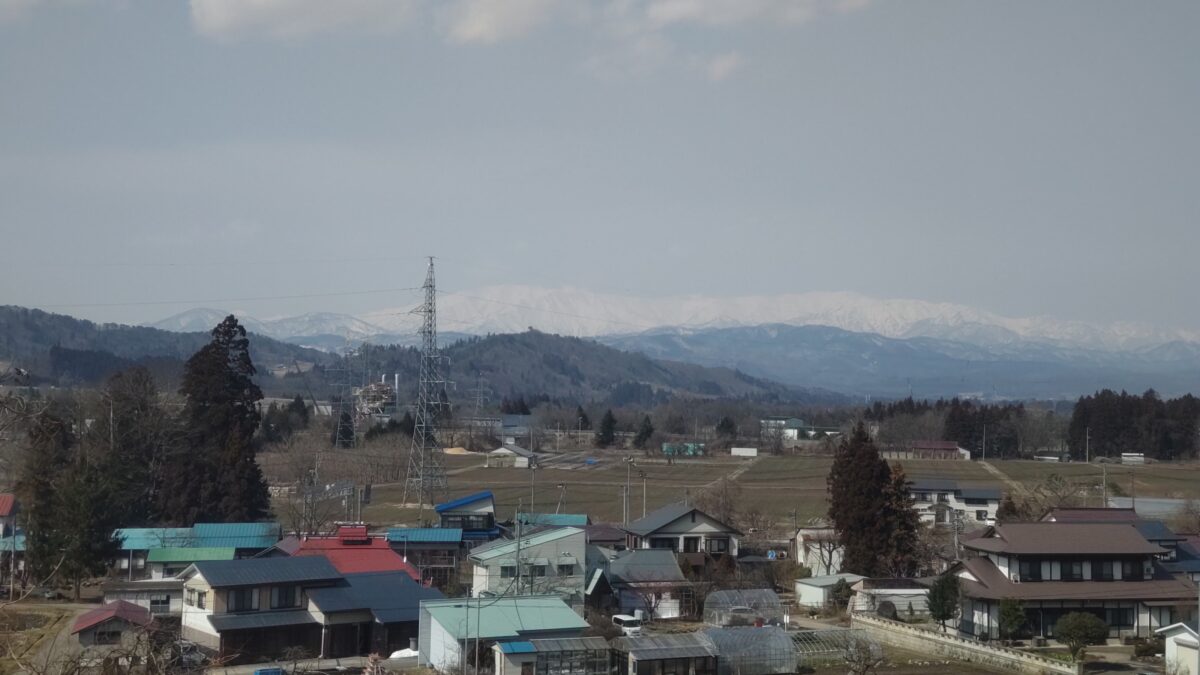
{"x":788,"y":489}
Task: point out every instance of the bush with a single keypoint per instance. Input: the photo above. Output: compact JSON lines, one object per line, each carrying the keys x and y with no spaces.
{"x":1148,"y":648}
{"x":1077,"y":630}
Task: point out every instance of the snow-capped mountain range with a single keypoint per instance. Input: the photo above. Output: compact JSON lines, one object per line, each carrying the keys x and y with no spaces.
{"x":576,"y":312}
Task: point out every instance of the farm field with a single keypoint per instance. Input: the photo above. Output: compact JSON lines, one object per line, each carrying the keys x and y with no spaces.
{"x":789,"y":489}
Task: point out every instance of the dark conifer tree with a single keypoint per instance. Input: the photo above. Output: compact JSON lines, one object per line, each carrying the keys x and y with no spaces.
{"x":900,"y":524}
{"x":858,"y":485}
{"x":582,"y":420}
{"x":47,"y":457}
{"x":726,"y":429}
{"x":645,"y":431}
{"x":607,"y":433}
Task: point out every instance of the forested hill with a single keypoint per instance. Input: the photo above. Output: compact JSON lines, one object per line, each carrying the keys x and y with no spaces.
{"x":65,"y":351}
{"x":535,"y":363}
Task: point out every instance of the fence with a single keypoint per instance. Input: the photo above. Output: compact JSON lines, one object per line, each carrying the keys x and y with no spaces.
{"x":896,"y":634}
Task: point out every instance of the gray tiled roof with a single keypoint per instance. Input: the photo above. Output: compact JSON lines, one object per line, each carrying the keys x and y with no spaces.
{"x":259,"y":571}
{"x":391,"y":596}
{"x":643,"y":566}
{"x":664,"y":516}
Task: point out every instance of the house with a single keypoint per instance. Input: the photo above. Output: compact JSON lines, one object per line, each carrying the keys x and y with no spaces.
{"x":9,"y":507}
{"x":566,"y":656}
{"x":447,"y":626}
{"x":115,"y":624}
{"x":511,"y":455}
{"x":783,"y":428}
{"x":927,"y":450}
{"x":434,"y":551}
{"x":884,"y":596}
{"x":1054,"y":568}
{"x":474,"y":514}
{"x":665,"y":654}
{"x":554,"y":520}
{"x":351,"y":551}
{"x":167,"y":563}
{"x":683,"y":529}
{"x":549,"y":561}
{"x":246,"y":540}
{"x":607,"y":536}
{"x":1181,"y":556}
{"x":645,"y":580}
{"x":1179,"y":648}
{"x":161,"y":597}
{"x":817,"y":592}
{"x":819,"y":549}
{"x":942,"y":502}
{"x":254,"y":609}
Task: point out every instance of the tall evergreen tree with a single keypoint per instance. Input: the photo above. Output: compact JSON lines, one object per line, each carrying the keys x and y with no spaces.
{"x":220,"y":418}
{"x":298,"y":411}
{"x":858,"y":483}
{"x":47,"y":457}
{"x":900,"y":524}
{"x":607,"y":433}
{"x":645,"y":431}
{"x":582,"y":420}
{"x":726,"y":428}
{"x":85,"y":523}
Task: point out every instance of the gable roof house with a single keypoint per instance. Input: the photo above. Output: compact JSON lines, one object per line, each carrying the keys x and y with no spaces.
{"x":446,"y":626}
{"x":549,"y":561}
{"x":245,"y":539}
{"x":942,"y":502}
{"x":113,"y":625}
{"x":1054,"y":568}
{"x":253,"y":609}
{"x":646,"y":580}
{"x":684,"y":529}
{"x":351,"y":551}
{"x":434,"y":551}
{"x":474,"y":514}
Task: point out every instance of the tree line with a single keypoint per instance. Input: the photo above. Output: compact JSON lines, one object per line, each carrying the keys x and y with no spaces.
{"x":125,"y":460}
{"x":1109,"y":423}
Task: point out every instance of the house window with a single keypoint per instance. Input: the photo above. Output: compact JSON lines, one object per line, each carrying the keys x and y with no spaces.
{"x":921,"y":496}
{"x":201,"y":599}
{"x":508,"y":571}
{"x":1131,"y":570}
{"x":139,"y":563}
{"x":1118,"y":617}
{"x":108,"y":637}
{"x":537,"y":570}
{"x":242,"y":600}
{"x":975,"y":502}
{"x":284,"y":596}
{"x":1072,"y":570}
{"x":123,"y":563}
{"x":160,"y":603}
{"x":1030,"y":570}
{"x":663,"y":542}
{"x":981,"y":515}
{"x":717,"y":545}
{"x":1102,"y":570}
{"x":943,"y":498}
{"x":566,"y":570}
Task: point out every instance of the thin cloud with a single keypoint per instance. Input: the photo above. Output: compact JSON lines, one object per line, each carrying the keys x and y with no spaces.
{"x":298,"y":18}
{"x":722,"y":66}
{"x":490,"y":21}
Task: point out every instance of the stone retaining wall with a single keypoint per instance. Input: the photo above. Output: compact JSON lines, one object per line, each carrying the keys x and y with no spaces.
{"x":903,"y":636}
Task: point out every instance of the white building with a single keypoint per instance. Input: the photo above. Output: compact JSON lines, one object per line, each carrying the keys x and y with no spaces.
{"x":446,"y":626}
{"x":513,"y":456}
{"x":942,"y":501}
{"x":683,"y":529}
{"x":547,"y":562}
{"x":1179,"y":648}
{"x":816,"y":592}
{"x":818,"y":549}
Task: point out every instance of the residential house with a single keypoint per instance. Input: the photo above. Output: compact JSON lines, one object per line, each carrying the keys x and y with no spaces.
{"x":9,"y":507}
{"x":115,"y":624}
{"x":448,"y":626}
{"x":819,"y":549}
{"x":684,"y":529}
{"x":161,"y":597}
{"x":607,"y":536}
{"x":783,"y":428}
{"x":434,"y":551}
{"x":942,"y":502}
{"x":645,"y":580}
{"x":564,"y":656}
{"x":246,"y":539}
{"x":665,"y":654}
{"x":511,"y":455}
{"x":474,"y":514}
{"x":1179,"y":648}
{"x":1054,"y":568}
{"x":167,"y":563}
{"x":351,"y":551}
{"x":254,"y":609}
{"x":548,"y":561}
{"x":817,"y":592}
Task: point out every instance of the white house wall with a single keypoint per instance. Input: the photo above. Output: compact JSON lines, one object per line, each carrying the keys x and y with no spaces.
{"x":444,"y":650}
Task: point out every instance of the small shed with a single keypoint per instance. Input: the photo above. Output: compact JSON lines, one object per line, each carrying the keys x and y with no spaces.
{"x":511,"y":455}
{"x":1179,"y":648}
{"x":744,"y":607}
{"x":815,"y":592}
{"x":563,"y":656}
{"x":875,"y":595}
{"x":660,"y":654}
{"x":111,"y":625}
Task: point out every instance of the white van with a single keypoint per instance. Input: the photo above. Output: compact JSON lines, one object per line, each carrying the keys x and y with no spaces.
{"x":629,"y":625}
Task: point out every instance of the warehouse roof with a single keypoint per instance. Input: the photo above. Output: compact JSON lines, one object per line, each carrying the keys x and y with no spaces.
{"x":554,"y":519}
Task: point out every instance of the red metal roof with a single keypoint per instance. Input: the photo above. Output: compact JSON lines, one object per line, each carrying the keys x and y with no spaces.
{"x":117,"y":609}
{"x":8,"y":504}
{"x":370,"y":554}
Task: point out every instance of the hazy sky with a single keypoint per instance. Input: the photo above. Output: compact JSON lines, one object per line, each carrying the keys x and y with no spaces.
{"x":1024,"y":157}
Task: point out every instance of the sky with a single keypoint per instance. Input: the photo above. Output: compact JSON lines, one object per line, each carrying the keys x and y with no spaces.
{"x":285,"y":156}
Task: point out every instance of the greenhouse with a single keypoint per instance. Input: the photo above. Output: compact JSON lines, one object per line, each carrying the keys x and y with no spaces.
{"x":746,"y":650}
{"x":665,"y":654}
{"x":816,"y":648}
{"x":744,"y":607}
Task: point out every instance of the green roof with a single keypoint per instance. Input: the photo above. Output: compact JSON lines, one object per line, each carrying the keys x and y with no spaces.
{"x":508,"y":617}
{"x":508,"y":547}
{"x":189,"y":555}
{"x":554,"y":519}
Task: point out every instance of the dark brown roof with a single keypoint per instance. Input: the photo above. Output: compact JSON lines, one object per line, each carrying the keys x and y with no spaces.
{"x":993,"y":585}
{"x":1065,"y":539}
{"x":1091,"y":515}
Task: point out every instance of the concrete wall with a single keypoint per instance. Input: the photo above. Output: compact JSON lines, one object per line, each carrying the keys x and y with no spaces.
{"x":903,"y":636}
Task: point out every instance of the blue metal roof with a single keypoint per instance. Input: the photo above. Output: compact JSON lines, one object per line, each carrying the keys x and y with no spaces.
{"x":16,"y":542}
{"x":236,"y":535}
{"x":425,"y":535}
{"x":463,"y":501}
{"x":523,"y":647}
{"x":147,"y":538}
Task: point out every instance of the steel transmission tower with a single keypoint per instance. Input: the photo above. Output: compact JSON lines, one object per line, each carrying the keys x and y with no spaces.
{"x":426,"y":474}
